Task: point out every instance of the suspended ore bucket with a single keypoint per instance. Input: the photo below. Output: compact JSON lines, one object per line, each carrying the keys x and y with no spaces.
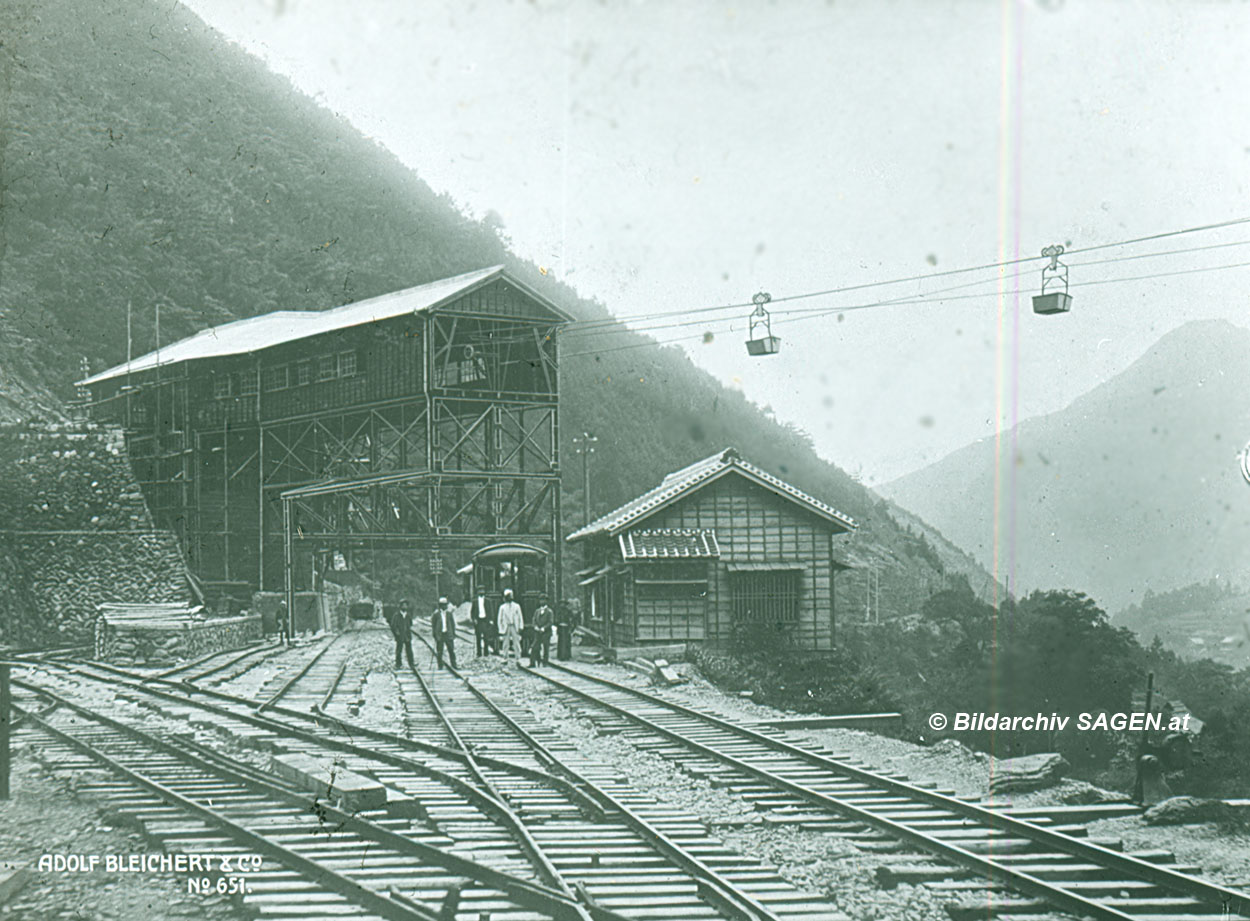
{"x":1054,"y":302}
{"x":768,"y":345}
{"x":1054,"y":276}
{"x":761,"y":321}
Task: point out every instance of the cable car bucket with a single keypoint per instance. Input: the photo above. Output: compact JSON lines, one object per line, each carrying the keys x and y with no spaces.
{"x":761,"y":320}
{"x":1055,"y":276}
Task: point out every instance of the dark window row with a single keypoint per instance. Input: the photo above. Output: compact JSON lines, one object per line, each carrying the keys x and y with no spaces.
{"x":283,"y":377}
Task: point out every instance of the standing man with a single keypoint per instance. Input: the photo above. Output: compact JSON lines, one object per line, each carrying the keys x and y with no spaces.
{"x":540,"y":646}
{"x":481,"y":624}
{"x":510,"y":623}
{"x":566,"y":620}
{"x":401,"y":629}
{"x":443,"y":623}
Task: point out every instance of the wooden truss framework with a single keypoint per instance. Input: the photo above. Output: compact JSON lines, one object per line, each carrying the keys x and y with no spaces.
{"x":459,"y":449}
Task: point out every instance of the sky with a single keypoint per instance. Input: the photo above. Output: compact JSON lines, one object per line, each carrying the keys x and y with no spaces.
{"x":673,"y":156}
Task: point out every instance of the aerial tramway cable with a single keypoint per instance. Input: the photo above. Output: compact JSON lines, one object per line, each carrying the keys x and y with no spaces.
{"x":925,"y":297}
{"x":588,"y":325}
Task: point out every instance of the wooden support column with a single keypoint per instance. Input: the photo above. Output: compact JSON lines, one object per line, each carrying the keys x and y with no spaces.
{"x":6,"y":722}
{"x":288,"y":541}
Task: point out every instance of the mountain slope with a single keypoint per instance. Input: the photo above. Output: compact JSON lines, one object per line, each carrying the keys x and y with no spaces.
{"x":1134,"y":486}
{"x":151,"y":162}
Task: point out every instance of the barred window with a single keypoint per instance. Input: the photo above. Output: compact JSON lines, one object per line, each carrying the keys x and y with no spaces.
{"x":769,"y":596}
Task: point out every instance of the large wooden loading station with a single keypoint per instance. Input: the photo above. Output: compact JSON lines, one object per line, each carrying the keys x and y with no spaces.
{"x":425,"y":418}
{"x":718,"y":548}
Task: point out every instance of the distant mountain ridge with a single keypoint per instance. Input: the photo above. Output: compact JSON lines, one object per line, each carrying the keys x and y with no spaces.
{"x":1132,"y":487}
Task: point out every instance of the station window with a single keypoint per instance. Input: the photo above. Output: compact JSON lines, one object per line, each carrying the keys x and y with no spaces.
{"x":327,"y":368}
{"x":347,"y":364}
{"x":276,"y":378}
{"x":770,"y":596}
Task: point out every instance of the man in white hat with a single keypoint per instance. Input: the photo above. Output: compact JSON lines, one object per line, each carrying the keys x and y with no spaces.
{"x":443,"y":624}
{"x":510,"y":623}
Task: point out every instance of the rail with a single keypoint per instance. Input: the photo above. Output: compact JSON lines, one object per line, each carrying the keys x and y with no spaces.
{"x":1200,"y":889}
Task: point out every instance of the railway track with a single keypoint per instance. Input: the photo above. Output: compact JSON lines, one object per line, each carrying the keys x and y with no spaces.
{"x":293,"y":856}
{"x":1032,"y":866}
{"x":584,"y":842}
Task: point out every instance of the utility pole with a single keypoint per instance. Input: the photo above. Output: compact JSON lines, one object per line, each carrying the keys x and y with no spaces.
{"x":585,"y":446}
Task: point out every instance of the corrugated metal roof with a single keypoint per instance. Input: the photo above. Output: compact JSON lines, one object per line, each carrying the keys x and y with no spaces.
{"x":255,"y":333}
{"x":669,"y":544}
{"x":698,"y":474}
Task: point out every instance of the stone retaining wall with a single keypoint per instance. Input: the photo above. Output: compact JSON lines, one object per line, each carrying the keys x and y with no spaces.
{"x":75,"y":533}
{"x":167,"y":641}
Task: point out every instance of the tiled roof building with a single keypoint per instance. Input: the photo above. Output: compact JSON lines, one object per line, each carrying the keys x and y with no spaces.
{"x":719,"y":547}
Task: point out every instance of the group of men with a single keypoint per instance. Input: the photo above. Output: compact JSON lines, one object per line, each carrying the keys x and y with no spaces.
{"x":506,"y":631}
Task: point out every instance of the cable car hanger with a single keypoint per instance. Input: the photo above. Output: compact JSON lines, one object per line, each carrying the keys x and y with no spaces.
{"x":1055,"y":276}
{"x":761,"y":319}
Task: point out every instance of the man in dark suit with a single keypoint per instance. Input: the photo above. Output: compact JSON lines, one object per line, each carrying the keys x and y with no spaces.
{"x":540,"y":643}
{"x":481,"y":614}
{"x":401,"y":629}
{"x":443,"y":624}
{"x":566,"y":620}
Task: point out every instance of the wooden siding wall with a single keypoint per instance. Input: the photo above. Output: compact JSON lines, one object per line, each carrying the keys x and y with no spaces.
{"x":670,"y":601}
{"x":754,"y":525}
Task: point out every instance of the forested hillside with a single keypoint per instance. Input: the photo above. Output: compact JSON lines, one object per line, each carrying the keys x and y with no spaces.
{"x":1208,"y":620}
{"x":149,"y":162}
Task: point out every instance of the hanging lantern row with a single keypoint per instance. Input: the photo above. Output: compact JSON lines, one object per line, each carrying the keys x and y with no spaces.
{"x":761,"y":321}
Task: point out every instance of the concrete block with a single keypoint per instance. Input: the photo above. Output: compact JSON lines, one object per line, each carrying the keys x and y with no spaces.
{"x":331,"y":780}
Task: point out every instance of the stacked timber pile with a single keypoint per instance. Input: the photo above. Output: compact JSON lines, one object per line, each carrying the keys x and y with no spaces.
{"x":75,"y":533}
{"x":163,"y":634}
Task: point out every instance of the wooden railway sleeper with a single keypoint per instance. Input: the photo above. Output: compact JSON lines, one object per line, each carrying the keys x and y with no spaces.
{"x":350,"y":729}
{"x":714,"y":887}
{"x":525,"y":891}
{"x":349,"y":889}
{"x":1211,"y":893}
{"x":290,"y":682}
{"x":537,"y":856}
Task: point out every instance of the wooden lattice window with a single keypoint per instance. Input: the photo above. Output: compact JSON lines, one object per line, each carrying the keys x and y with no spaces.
{"x":765,"y":596}
{"x":347,"y":364}
{"x":275,"y":378}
